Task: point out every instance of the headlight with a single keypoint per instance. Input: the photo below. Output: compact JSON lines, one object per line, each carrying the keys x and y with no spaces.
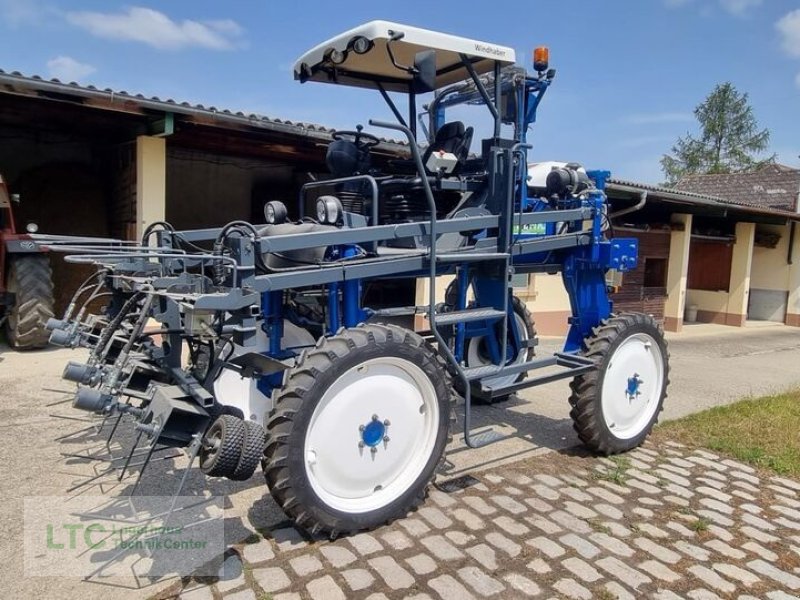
{"x":275,"y":212}
{"x":337,"y":57}
{"x":329,"y":210}
{"x":360,"y":44}
{"x":31,"y":228}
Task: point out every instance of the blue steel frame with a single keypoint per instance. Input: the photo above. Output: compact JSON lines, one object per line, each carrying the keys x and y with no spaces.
{"x":583,"y":271}
{"x":583,"y":267}
{"x":582,"y":255}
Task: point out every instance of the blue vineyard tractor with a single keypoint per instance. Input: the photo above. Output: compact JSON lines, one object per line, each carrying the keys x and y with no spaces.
{"x":258,"y":344}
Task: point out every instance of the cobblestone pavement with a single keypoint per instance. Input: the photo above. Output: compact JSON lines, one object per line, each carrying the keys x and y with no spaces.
{"x":660,"y":522}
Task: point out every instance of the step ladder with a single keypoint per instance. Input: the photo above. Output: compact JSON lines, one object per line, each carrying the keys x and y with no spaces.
{"x":470,"y":315}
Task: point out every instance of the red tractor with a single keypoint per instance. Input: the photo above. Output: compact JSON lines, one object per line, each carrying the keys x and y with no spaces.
{"x":26,"y":284}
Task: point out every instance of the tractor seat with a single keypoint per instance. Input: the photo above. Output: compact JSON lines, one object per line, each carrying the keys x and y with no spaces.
{"x":451,"y":137}
{"x":294,"y":258}
{"x":345,"y":159}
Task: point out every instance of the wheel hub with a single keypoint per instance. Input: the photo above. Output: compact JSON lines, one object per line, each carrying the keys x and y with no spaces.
{"x":632,"y":390}
{"x":374,"y":432}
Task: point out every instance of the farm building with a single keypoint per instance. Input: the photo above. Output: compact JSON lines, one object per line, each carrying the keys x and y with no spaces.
{"x":717,"y":249}
{"x":86,"y":161}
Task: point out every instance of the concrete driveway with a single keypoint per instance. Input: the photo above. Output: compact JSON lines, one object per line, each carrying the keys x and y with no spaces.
{"x":710,"y":366}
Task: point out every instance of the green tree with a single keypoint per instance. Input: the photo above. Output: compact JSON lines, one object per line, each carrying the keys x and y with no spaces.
{"x":729,"y":141}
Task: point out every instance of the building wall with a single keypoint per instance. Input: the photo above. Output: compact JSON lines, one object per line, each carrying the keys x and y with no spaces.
{"x":548,"y":301}
{"x":644,"y":289}
{"x":721,"y":306}
{"x":769,"y":280}
{"x":207,"y":190}
{"x":770,"y":265}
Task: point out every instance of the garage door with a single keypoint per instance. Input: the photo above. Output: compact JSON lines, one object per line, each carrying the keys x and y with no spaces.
{"x":767,"y":305}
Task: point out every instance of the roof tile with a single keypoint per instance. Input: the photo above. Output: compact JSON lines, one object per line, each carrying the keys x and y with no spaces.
{"x":772,"y":186}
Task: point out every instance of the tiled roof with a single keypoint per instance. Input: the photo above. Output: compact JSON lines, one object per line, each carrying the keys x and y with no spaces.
{"x":773,"y":186}
{"x":679,"y":196}
{"x":666,"y":190}
{"x":16,"y":81}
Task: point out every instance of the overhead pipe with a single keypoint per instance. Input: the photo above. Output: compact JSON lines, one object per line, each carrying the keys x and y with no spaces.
{"x":638,"y":206}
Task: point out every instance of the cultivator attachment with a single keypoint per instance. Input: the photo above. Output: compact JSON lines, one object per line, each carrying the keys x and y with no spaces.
{"x":132,"y":375}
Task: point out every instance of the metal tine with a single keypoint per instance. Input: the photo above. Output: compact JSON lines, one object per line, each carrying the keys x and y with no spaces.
{"x":111,"y":468}
{"x":130,"y":456}
{"x":57,"y":402}
{"x":48,"y":389}
{"x":70,"y":418}
{"x":66,"y":436}
{"x":113,"y":431}
{"x":146,"y":462}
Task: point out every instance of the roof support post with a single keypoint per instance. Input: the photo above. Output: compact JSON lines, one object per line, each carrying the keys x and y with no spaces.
{"x":151,"y":181}
{"x":677,"y":271}
{"x":741,"y":263}
{"x":793,"y":305}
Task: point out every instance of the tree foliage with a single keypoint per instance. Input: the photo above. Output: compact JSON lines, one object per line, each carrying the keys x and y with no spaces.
{"x":730,"y":140}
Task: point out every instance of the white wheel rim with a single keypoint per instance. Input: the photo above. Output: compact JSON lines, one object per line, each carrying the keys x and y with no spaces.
{"x":476,"y":359}
{"x":632,"y":386}
{"x":344,"y":471}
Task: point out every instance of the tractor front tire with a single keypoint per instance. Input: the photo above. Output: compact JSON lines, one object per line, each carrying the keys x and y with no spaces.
{"x":359,"y":430}
{"x":30,"y":280}
{"x":615,"y":406}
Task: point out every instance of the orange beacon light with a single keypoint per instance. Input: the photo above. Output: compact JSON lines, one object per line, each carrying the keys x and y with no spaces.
{"x":541,"y":58}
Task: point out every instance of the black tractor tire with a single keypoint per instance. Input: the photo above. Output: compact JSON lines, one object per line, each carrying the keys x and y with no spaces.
{"x":255,"y":440}
{"x":521,"y":311}
{"x":30,"y":280}
{"x":227,"y":434}
{"x":586,"y":398}
{"x":304,"y":387}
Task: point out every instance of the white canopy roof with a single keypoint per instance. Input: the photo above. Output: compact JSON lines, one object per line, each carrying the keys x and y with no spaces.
{"x":364,"y":70}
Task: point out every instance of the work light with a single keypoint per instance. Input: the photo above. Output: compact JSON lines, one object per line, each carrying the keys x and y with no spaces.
{"x":275,"y":212}
{"x":329,"y":210}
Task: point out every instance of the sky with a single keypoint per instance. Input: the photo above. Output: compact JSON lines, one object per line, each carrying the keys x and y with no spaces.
{"x":630,"y":72}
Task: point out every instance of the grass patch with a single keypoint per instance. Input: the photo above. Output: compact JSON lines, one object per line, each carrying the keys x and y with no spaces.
{"x":615,"y":474}
{"x":759,"y":431}
{"x":700,"y":525}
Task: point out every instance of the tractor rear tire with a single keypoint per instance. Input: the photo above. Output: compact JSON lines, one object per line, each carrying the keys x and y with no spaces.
{"x":527,"y":329}
{"x":359,"y":430}
{"x":30,"y":280}
{"x":615,"y":406}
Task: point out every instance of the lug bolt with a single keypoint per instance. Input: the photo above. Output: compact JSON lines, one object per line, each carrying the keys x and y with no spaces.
{"x":373,"y":449}
{"x":385,"y":439}
{"x":361,"y":428}
{"x":386,"y":422}
{"x":361,"y":444}
{"x":374,"y":417}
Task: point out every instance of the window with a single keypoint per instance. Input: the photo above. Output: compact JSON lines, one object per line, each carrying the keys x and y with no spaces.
{"x":655,"y":272}
{"x":520,"y":281}
{"x":710,"y":265}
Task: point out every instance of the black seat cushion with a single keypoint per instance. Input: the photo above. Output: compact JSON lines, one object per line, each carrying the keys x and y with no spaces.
{"x":451,"y":137}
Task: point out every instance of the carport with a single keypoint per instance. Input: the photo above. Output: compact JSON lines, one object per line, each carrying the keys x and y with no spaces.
{"x":87,"y":161}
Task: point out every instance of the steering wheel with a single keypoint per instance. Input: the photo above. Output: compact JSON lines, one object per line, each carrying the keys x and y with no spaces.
{"x":364,"y":141}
